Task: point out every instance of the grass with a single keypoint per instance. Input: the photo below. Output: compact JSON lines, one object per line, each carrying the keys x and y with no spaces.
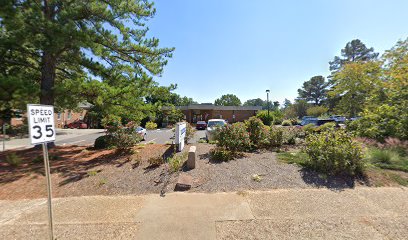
{"x":388,"y":159}
{"x":298,"y":158}
{"x":102,"y":182}
{"x":202,"y":141}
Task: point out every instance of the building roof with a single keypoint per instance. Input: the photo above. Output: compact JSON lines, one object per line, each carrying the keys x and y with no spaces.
{"x":214,"y":107}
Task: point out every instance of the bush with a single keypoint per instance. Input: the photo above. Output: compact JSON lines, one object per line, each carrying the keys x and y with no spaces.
{"x":233,"y":137}
{"x":263,"y":115}
{"x":103,"y":142}
{"x":316,"y":111}
{"x":190,"y":131}
{"x":13,"y":160}
{"x":275,"y":137}
{"x":326,"y":127}
{"x":290,"y":135}
{"x":155,"y":161}
{"x":309,"y":128}
{"x":382,"y":122}
{"x":257,"y":132}
{"x":125,"y":138}
{"x":151,"y":125}
{"x":286,"y":123}
{"x":334,"y":153}
{"x":222,"y":155}
{"x":111,"y":123}
{"x":177,"y":161}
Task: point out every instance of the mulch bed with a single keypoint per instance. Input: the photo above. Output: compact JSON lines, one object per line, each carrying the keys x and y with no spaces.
{"x":78,"y":171}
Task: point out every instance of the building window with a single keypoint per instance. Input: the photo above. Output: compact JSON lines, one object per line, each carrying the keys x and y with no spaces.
{"x":59,"y":116}
{"x":69,"y":115}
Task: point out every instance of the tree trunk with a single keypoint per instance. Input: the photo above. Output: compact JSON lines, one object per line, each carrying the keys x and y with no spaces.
{"x":48,"y":66}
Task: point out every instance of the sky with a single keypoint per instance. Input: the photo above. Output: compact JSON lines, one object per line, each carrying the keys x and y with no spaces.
{"x":245,"y":47}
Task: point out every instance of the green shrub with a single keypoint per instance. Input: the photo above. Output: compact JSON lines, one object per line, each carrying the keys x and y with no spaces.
{"x":383,"y":156}
{"x":265,"y":118}
{"x":316,"y":111}
{"x":111,"y":123}
{"x":125,"y":138}
{"x":275,"y":137}
{"x":13,"y":160}
{"x":257,"y":132}
{"x":103,"y":142}
{"x":233,"y":137}
{"x":222,"y":155}
{"x":294,"y":121}
{"x":177,"y":161}
{"x":309,"y":128}
{"x":334,"y":153}
{"x":326,"y":127}
{"x":290,"y":134}
{"x":286,"y":123}
{"x":155,"y":161}
{"x":277,"y":117}
{"x":190,"y":131}
{"x":381,"y":122}
{"x":151,"y":125}
{"x":388,"y":158}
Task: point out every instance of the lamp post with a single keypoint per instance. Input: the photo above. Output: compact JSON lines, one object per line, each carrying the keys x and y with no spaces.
{"x":267,"y":100}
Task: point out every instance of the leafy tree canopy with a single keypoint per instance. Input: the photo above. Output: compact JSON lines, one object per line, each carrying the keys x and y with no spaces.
{"x":82,"y":50}
{"x":228,"y":100}
{"x":314,"y":90}
{"x":354,"y":51}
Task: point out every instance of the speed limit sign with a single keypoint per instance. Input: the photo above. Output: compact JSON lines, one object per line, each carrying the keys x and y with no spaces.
{"x":41,"y":123}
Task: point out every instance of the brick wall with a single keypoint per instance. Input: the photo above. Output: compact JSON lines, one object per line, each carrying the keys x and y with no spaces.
{"x":67,"y":117}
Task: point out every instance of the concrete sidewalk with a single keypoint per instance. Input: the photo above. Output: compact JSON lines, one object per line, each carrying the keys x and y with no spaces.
{"x":362,"y":213}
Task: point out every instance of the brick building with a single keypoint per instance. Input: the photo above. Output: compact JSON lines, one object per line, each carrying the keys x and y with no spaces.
{"x":204,"y":112}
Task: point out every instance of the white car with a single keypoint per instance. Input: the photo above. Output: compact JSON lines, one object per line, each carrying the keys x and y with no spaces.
{"x":212,"y":125}
{"x":142,"y":132}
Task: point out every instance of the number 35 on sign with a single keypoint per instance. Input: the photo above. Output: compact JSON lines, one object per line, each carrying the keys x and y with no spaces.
{"x":41,"y":123}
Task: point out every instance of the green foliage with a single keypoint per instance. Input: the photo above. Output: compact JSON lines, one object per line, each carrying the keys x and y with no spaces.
{"x":190,"y":131}
{"x":275,"y":137}
{"x":233,"y":137}
{"x":354,"y":51}
{"x":177,"y":161}
{"x":103,"y":142}
{"x":314,"y":90}
{"x":151,"y":125}
{"x":316,"y":111}
{"x":68,"y":52}
{"x":111,"y":123}
{"x":299,"y":158}
{"x":388,"y":158}
{"x":334,"y":153}
{"x":309,"y":128}
{"x":286,"y":123}
{"x":330,"y":126}
{"x":13,"y":160}
{"x":266,"y":119}
{"x":256,"y":102}
{"x":257,"y":132}
{"x":228,"y":100}
{"x":297,"y":109}
{"x":220,"y":154}
{"x":291,"y":134}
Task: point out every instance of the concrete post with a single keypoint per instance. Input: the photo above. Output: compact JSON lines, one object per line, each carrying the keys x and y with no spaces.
{"x":192,"y":155}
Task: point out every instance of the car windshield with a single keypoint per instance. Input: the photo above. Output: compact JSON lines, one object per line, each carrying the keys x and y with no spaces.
{"x":200,"y":122}
{"x":139,"y":129}
{"x":216,"y":123}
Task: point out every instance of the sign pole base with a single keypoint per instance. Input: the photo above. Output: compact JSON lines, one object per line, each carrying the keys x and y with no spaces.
{"x":48,"y":177}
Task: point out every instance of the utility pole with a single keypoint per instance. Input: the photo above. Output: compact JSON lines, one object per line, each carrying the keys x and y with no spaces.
{"x":267,"y":99}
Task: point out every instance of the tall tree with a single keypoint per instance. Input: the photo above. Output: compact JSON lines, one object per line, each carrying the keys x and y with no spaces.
{"x":228,"y":100}
{"x":355,"y":83}
{"x":354,"y":51}
{"x":100,"y":44}
{"x":287,"y":103}
{"x":314,"y":90}
{"x":255,"y":102}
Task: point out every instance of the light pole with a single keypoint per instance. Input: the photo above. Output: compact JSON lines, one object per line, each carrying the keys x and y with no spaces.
{"x":267,"y":100}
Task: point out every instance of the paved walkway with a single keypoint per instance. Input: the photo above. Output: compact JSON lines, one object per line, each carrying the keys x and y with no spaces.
{"x":362,"y":213}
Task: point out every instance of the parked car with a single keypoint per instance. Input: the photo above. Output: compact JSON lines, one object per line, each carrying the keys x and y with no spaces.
{"x":201,"y":125}
{"x":338,"y":118}
{"x":212,"y":125}
{"x":142,"y":132}
{"x":308,"y":120}
{"x":354,"y":118}
{"x":77,"y":124}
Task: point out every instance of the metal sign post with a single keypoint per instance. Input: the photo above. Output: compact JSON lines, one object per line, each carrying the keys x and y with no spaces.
{"x":42,"y":130}
{"x":4,"y":137}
